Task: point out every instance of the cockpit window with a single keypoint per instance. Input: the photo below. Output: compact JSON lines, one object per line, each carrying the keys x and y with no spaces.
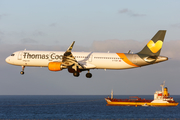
{"x":12,"y":54}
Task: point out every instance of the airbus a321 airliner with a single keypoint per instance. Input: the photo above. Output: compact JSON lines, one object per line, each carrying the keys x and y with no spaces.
{"x":76,"y":62}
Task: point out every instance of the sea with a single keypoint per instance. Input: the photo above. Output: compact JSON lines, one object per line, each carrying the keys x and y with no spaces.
{"x":80,"y":107}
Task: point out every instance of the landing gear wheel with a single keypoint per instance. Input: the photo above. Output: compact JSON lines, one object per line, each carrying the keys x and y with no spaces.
{"x":76,"y":74}
{"x":22,"y":72}
{"x":88,"y":75}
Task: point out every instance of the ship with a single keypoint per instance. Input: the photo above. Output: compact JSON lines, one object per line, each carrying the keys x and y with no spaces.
{"x":161,"y":99}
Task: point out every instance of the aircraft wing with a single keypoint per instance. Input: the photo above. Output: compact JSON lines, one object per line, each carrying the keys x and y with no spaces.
{"x":69,"y":60}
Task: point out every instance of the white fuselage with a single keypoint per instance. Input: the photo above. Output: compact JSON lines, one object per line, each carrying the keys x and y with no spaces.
{"x":88,"y":59}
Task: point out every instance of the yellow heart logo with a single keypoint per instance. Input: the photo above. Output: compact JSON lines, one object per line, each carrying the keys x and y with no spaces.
{"x":155,"y":47}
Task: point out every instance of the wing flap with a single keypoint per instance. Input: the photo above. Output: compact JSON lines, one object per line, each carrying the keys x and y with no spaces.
{"x":87,"y":65}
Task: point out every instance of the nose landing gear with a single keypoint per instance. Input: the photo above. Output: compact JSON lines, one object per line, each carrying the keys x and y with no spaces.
{"x":22,"y":72}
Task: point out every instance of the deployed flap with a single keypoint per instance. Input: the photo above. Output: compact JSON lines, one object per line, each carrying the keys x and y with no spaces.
{"x":87,"y":65}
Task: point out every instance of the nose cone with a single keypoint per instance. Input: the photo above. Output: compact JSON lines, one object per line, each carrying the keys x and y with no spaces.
{"x":8,"y":60}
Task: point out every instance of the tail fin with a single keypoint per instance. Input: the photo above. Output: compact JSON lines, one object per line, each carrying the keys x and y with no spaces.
{"x":153,"y":47}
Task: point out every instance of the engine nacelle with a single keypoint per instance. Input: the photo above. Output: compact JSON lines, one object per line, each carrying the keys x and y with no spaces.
{"x":55,"y":66}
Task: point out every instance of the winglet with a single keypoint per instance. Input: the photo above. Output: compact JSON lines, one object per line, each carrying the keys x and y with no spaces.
{"x":68,"y":52}
{"x":71,"y":46}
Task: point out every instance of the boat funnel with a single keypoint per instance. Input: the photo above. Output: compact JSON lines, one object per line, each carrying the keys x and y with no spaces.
{"x":166,"y":94}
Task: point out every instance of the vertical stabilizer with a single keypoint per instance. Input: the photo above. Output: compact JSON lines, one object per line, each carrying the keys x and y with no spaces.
{"x":153,"y":47}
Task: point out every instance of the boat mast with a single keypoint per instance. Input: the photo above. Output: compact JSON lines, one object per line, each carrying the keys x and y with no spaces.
{"x":112,"y":94}
{"x":162,"y":85}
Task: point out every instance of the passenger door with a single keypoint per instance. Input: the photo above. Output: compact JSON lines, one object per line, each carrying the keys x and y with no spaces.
{"x":20,"y":55}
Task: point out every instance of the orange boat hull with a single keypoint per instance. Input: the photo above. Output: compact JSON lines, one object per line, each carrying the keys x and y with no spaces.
{"x":119,"y":103}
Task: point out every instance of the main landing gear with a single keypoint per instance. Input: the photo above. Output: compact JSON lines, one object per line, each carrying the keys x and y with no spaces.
{"x":76,"y":74}
{"x":22,"y":72}
{"x":88,"y":75}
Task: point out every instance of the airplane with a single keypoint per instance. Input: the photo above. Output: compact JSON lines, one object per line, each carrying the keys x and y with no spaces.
{"x":76,"y":62}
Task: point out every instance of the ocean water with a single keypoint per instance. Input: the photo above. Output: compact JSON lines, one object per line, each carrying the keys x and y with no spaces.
{"x":79,"y":107}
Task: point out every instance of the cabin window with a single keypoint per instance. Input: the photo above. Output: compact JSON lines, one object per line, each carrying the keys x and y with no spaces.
{"x":105,"y":58}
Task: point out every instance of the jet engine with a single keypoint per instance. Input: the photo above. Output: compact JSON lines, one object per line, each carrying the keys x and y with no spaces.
{"x":55,"y":66}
